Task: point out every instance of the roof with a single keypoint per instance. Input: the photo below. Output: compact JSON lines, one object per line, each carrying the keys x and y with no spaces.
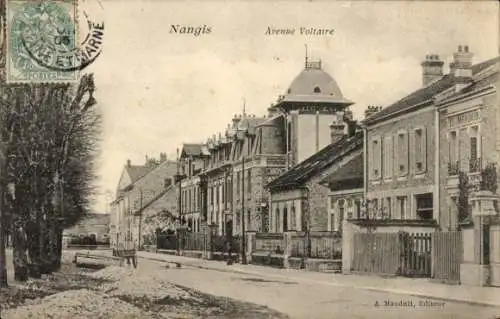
{"x":316,"y":163}
{"x":350,"y":171}
{"x":193,"y":150}
{"x":426,"y":93}
{"x":136,"y":172}
{"x":155,"y":198}
{"x":313,"y":84}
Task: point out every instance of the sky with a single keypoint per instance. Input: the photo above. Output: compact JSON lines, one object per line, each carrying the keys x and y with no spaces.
{"x":157,"y":89}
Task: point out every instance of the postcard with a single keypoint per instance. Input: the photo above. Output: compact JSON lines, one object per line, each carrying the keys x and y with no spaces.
{"x":249,"y":159}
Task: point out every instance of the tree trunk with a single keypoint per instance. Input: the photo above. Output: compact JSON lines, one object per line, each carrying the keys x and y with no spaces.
{"x":45,"y":225}
{"x":19,"y":252}
{"x":59,"y":234}
{"x":34,"y":249}
{"x":46,"y":267}
{"x":54,"y":257}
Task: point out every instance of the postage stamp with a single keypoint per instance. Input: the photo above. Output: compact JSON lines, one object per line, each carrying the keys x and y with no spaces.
{"x":41,"y":36}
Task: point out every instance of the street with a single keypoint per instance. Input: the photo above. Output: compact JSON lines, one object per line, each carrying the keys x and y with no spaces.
{"x":295,"y":298}
{"x":301,"y":300}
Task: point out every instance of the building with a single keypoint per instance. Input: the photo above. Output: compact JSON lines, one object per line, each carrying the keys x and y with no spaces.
{"x":346,"y":195}
{"x":159,"y":213}
{"x":93,"y":225}
{"x":403,"y":148}
{"x":299,"y":198}
{"x":138,"y":185}
{"x":253,"y":151}
{"x":309,"y":107}
{"x":469,"y":134}
{"x":231,"y":173}
{"x":193,"y":159}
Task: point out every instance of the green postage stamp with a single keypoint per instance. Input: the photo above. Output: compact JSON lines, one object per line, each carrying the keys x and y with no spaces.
{"x":41,"y":40}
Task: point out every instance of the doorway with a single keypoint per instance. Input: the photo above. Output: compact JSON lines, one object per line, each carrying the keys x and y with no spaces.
{"x":285,"y":219}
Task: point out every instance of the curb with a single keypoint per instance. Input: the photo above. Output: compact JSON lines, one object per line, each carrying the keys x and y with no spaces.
{"x":369,"y":288}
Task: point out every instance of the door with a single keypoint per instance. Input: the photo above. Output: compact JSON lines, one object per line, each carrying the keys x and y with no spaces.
{"x":285,"y":219}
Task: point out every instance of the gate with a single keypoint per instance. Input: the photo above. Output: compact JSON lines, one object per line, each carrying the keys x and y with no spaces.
{"x":495,"y":255}
{"x":400,"y":253}
{"x":377,"y":253}
{"x":447,"y":255}
{"x":416,"y":256}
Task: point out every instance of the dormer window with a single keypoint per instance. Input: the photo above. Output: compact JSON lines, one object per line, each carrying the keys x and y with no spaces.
{"x":317,"y":89}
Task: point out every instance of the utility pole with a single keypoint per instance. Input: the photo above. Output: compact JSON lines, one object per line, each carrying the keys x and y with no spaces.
{"x":3,"y":222}
{"x":243,"y":237}
{"x":3,"y":259}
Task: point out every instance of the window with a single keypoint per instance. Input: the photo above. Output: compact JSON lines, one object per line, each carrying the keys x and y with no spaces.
{"x":238,"y":183}
{"x":285,"y":219}
{"x":424,"y":206}
{"x":341,"y":212}
{"x":238,"y":219}
{"x":357,"y":203}
{"x":374,"y":211}
{"x":265,"y":220}
{"x":475,"y":160}
{"x":332,"y":202}
{"x":375,"y":160}
{"x":277,"y":220}
{"x":317,"y":89}
{"x":289,"y":137}
{"x":387,"y":154}
{"x":388,"y":208}
{"x":249,"y":221}
{"x":402,"y":154}
{"x":401,"y":202}
{"x":217,"y":190}
{"x":453,"y":147}
{"x":473,"y":147}
{"x":293,"y":218}
{"x":223,"y":192}
{"x":249,"y":183}
{"x":420,"y":150}
{"x":189,"y":201}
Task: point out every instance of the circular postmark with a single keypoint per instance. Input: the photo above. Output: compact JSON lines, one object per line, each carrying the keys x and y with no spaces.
{"x":44,"y":37}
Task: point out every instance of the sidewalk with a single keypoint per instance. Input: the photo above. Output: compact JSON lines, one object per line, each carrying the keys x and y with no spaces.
{"x":483,"y":296}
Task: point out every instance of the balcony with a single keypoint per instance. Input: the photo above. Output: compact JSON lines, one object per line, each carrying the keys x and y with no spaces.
{"x":475,"y":165}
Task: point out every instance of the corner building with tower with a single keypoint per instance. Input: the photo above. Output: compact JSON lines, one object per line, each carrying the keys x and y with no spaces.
{"x":223,"y":182}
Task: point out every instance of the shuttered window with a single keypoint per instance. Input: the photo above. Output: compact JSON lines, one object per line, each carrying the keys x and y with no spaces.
{"x":388,"y":157}
{"x":375,"y":159}
{"x":420,"y":148}
{"x":402,"y":153}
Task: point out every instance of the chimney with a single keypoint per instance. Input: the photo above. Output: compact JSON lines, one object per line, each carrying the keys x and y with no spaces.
{"x":461,"y":67}
{"x":372,"y":110}
{"x":432,"y":69}
{"x":129,"y":163}
{"x":163,"y":157}
{"x":337,"y":129}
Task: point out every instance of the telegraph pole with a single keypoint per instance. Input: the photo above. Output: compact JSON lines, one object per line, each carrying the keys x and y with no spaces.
{"x":243,"y":237}
{"x":3,"y":221}
{"x":3,"y":259}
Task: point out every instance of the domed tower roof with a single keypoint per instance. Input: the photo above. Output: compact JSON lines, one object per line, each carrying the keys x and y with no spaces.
{"x":315,"y":85}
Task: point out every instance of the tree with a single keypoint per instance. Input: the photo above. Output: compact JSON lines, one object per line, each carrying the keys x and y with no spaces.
{"x":50,"y":133}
